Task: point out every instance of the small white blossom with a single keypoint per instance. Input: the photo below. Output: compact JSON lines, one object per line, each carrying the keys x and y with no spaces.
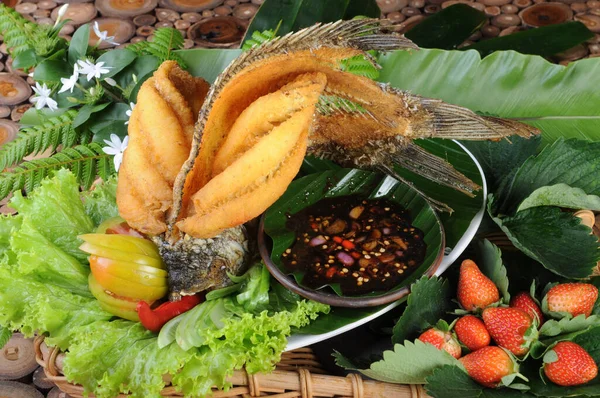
{"x":69,"y":84}
{"x":61,"y":13}
{"x":128,"y":113}
{"x":43,"y":97}
{"x":91,"y":69}
{"x":116,"y":147}
{"x":110,"y":81}
{"x":103,"y":35}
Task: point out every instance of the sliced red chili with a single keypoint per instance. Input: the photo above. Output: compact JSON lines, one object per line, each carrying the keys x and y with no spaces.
{"x":154,"y":319}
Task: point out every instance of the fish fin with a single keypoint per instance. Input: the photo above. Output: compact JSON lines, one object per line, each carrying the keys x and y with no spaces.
{"x":417,"y":160}
{"x":455,"y":122}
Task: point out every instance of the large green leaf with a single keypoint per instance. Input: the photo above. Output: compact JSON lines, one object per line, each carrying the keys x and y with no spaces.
{"x":207,"y":63}
{"x":297,"y":14}
{"x":562,"y":101}
{"x":561,"y":195}
{"x":344,"y":182}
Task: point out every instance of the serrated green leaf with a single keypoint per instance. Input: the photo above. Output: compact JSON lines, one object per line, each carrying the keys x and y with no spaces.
{"x":556,"y":239}
{"x":410,"y":363}
{"x":452,"y":382}
{"x":490,"y":263}
{"x":561,"y":195}
{"x":553,"y":327}
{"x":428,"y":301}
{"x":162,"y":46}
{"x":5,"y":335}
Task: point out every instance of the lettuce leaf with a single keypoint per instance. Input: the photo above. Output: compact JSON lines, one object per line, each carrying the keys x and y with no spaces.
{"x":45,"y":262}
{"x":56,"y":210}
{"x":31,"y":306}
{"x":101,"y":202}
{"x":8,"y":224}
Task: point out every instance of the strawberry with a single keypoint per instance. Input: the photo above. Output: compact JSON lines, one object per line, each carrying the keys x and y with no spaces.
{"x":472,"y":332}
{"x":442,"y":341}
{"x":568,"y":364}
{"x":572,"y":298}
{"x":510,"y":328}
{"x":475,"y":290}
{"x":489,"y":365}
{"x":525,"y":302}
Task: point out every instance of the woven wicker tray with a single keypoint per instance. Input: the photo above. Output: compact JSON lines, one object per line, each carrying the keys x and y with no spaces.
{"x":299,"y":374}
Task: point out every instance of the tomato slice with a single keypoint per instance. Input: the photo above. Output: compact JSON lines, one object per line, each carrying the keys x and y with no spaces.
{"x":125,"y":243}
{"x":119,"y":306}
{"x":115,"y":254}
{"x":127,"y":288}
{"x":133,"y":272}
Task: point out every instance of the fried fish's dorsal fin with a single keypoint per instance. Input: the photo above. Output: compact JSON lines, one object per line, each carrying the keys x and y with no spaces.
{"x":354,"y":37}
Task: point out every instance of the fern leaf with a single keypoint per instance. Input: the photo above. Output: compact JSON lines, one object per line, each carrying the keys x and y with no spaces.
{"x":360,"y":66}
{"x":329,"y":104}
{"x":86,"y":162}
{"x":165,"y":41}
{"x":17,"y":32}
{"x":33,"y":140}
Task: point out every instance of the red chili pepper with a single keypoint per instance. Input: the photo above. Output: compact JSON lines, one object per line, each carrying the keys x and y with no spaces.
{"x":154,"y":319}
{"x":346,"y":244}
{"x":330,"y":272}
{"x":338,"y":239}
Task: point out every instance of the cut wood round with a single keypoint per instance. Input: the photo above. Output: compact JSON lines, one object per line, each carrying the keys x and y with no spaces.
{"x":46,"y":5}
{"x":8,"y":132}
{"x":231,"y":3}
{"x":30,"y":81}
{"x":579,"y":7}
{"x":492,"y":11}
{"x":190,"y":5}
{"x":13,"y":89}
{"x":222,"y":11}
{"x":73,"y":1}
{"x":191,"y":17}
{"x":145,"y":31}
{"x":8,"y":64}
{"x":137,"y":39}
{"x":181,"y":24}
{"x":217,"y":32}
{"x":573,"y":54}
{"x":594,"y":48}
{"x":1,"y":66}
{"x":432,"y":8}
{"x":494,"y":2}
{"x":595,"y":39}
{"x":66,"y":30}
{"x":544,"y":14}
{"x":245,"y":11}
{"x":490,"y":31}
{"x":417,"y":3}
{"x":163,"y":24}
{"x":188,"y":43}
{"x":387,"y":6}
{"x":125,"y":8}
{"x":411,"y":11}
{"x":57,"y":393}
{"x":593,"y":4}
{"x":41,"y":381}
{"x":121,"y":29}
{"x":522,"y":3}
{"x":592,"y":22}
{"x":165,"y":14}
{"x":78,"y":13}
{"x":475,"y":36}
{"x":4,"y":111}
{"x":410,"y":23}
{"x":258,"y":2}
{"x":509,"y":9}
{"x":207,"y":14}
{"x":509,"y":31}
{"x":26,"y":8}
{"x":45,"y":21}
{"x":506,"y":20}
{"x":144,"y":20}
{"x":465,"y":43}
{"x":12,"y":389}
{"x":39,"y":14}
{"x":17,"y":113}
{"x":18,"y":356}
{"x":396,"y":17}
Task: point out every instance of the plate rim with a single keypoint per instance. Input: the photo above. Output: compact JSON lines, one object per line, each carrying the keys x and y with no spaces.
{"x":296,"y":341}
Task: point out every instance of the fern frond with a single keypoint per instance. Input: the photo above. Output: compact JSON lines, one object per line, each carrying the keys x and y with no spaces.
{"x":49,"y":135}
{"x":17,"y":32}
{"x":360,"y":66}
{"x":86,"y":162}
{"x":165,"y":41}
{"x":329,"y":104}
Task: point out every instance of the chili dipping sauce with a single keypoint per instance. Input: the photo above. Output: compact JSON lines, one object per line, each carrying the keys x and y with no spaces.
{"x":365,"y":245}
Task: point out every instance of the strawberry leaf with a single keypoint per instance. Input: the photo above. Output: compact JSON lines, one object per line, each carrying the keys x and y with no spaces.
{"x":561,"y":195}
{"x":553,"y":327}
{"x":490,"y":263}
{"x":428,"y":301}
{"x":452,"y":382}
{"x":550,"y":356}
{"x":410,"y":363}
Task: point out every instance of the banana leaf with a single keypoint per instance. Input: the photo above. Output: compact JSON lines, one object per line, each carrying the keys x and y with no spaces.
{"x":561,"y":101}
{"x":346,"y":182}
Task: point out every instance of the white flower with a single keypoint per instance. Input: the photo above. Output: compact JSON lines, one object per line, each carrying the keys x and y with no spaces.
{"x":69,"y":84}
{"x":61,"y":13}
{"x":116,"y":147}
{"x":43,"y":97}
{"x":128,"y":113}
{"x":91,"y":69}
{"x":103,"y":35}
{"x":110,"y":81}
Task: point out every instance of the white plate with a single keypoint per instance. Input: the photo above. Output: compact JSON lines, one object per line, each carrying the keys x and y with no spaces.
{"x":303,"y":340}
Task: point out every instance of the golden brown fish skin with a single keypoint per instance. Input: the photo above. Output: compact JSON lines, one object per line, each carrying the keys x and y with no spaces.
{"x":160,"y":136}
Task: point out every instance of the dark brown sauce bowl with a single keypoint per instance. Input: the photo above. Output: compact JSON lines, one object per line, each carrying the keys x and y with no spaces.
{"x":332,"y":298}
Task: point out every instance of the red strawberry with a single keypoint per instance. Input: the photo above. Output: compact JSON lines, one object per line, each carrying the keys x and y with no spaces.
{"x":509,"y":327}
{"x":574,"y":298}
{"x":567,"y":364}
{"x":525,"y":302}
{"x":442,"y":341}
{"x":475,"y":290}
{"x":472,"y":332}
{"x":489,"y":365}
